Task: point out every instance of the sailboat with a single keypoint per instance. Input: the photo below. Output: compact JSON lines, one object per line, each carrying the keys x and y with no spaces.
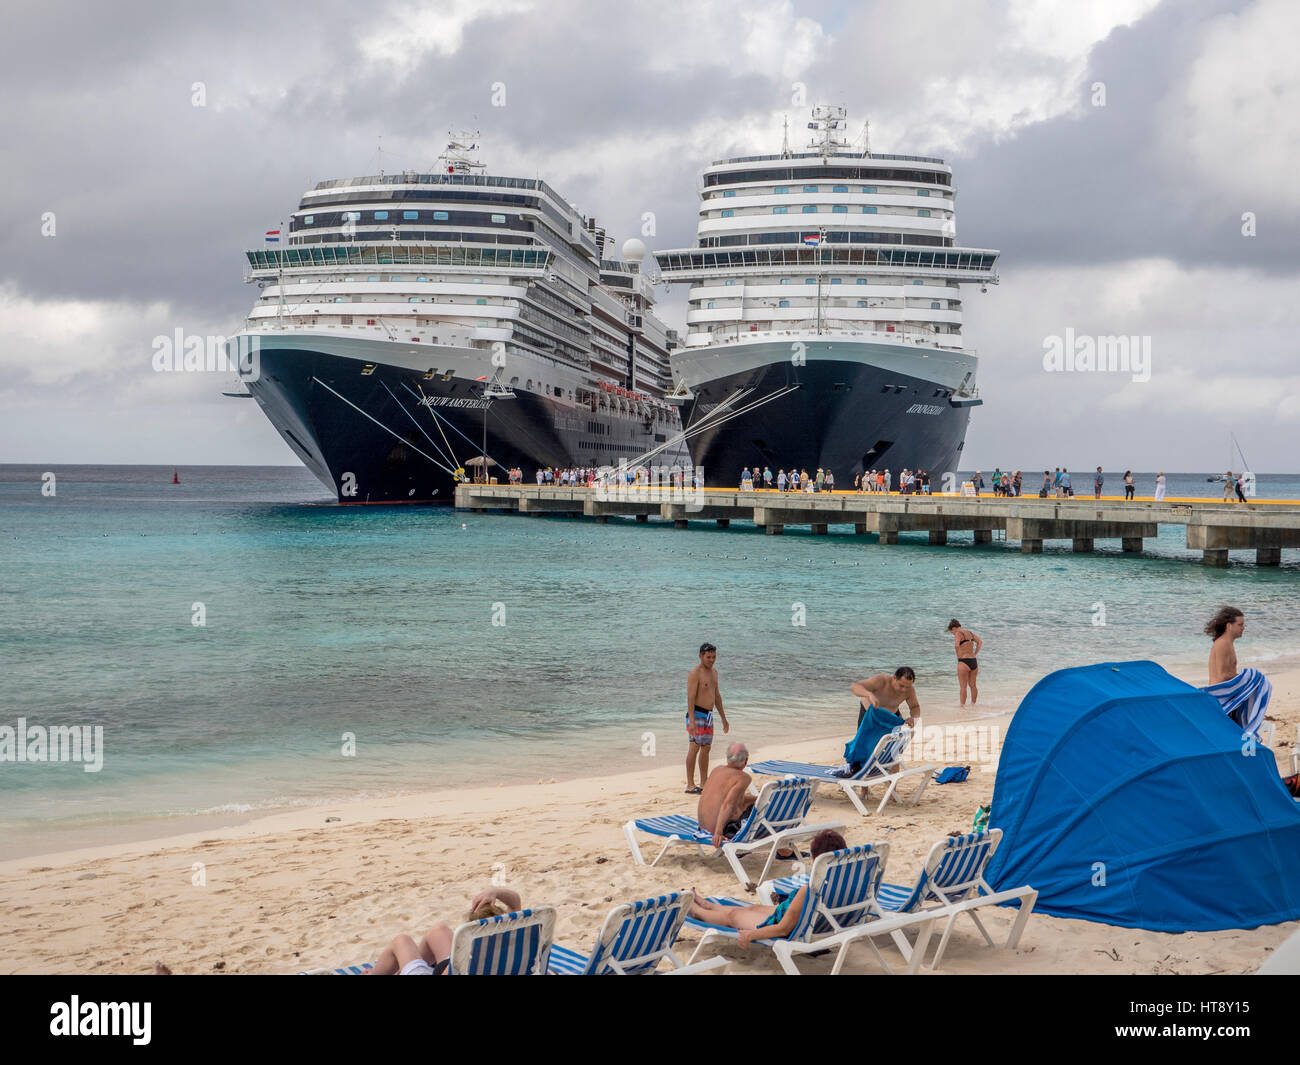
{"x":1234,"y":453}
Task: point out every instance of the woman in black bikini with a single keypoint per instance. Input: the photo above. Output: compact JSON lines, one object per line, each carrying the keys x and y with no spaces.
{"x":968,"y":646}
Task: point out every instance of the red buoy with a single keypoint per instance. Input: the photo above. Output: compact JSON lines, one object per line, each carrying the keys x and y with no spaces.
{"x":175,"y":478}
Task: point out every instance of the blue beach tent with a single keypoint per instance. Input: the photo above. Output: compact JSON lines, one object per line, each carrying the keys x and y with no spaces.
{"x":1129,"y":797}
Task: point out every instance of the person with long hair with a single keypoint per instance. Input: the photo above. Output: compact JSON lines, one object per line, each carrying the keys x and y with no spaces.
{"x":967,"y":645}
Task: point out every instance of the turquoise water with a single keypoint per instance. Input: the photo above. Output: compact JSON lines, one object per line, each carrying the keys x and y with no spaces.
{"x":378,"y":621}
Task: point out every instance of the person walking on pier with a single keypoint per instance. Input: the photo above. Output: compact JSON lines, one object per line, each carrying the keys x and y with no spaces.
{"x":1160,"y":486}
{"x":781,"y":481}
{"x":703,"y":696}
{"x":1240,"y":484}
{"x":1128,"y":484}
{"x":1056,"y":482}
{"x":1228,"y":482}
{"x":1065,"y":483}
{"x":968,"y":646}
{"x":1097,"y":481}
{"x":767,"y":476}
{"x":1016,"y":482}
{"x":889,"y":479}
{"x":1047,"y":485}
{"x":830,"y":481}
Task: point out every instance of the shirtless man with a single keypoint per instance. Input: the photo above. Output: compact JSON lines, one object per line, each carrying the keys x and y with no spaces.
{"x":889,"y":692}
{"x":726,"y":799}
{"x":1225,"y":628}
{"x":968,"y":646}
{"x":702,"y":698}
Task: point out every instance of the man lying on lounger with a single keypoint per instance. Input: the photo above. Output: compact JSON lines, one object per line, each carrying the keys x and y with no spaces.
{"x":432,"y":954}
{"x":726,"y":800}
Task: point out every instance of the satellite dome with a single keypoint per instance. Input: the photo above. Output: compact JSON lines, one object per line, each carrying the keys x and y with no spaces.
{"x":634,"y":250}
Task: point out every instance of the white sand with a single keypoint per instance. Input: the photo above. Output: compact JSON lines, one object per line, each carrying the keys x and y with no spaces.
{"x":291,"y":891}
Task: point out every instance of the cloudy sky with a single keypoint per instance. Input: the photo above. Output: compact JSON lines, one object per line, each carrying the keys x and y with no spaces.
{"x":1109,"y":149}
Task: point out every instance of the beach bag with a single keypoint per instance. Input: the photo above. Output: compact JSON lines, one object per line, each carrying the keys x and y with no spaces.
{"x":981,"y":822}
{"x":954,"y":774}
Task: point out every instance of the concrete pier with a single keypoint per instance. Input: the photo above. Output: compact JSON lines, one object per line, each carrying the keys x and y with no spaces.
{"x":1213,"y":528}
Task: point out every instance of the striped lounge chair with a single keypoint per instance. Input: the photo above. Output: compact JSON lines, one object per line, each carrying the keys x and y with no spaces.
{"x":635,"y":938}
{"x":883,"y":767}
{"x":510,"y":944}
{"x":952,"y":883}
{"x":841,"y":909}
{"x":776,"y":821}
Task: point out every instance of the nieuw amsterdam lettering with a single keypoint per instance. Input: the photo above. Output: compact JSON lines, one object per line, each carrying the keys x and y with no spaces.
{"x":451,"y":401}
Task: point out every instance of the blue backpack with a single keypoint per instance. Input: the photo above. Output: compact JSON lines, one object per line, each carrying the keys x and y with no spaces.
{"x":954,"y":774}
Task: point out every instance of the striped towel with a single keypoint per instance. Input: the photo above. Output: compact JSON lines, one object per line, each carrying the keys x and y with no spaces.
{"x":1244,"y":698}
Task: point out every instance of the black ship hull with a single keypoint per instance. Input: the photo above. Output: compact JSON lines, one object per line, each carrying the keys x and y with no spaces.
{"x":844,"y":416}
{"x":395,"y":435}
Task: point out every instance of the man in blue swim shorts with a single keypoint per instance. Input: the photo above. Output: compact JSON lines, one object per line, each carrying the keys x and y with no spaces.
{"x":702,"y":698}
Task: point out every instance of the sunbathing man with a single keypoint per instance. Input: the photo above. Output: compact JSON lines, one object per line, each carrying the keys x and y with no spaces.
{"x":432,"y":955}
{"x":888,"y":693}
{"x":703,"y":696}
{"x":765,"y":922}
{"x":726,"y":799}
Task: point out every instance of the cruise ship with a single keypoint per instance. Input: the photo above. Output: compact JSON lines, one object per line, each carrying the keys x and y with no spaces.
{"x":824,"y":323}
{"x":416,"y":329}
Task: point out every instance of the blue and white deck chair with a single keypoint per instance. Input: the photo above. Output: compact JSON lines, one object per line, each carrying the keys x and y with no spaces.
{"x":952,"y":883}
{"x":883,"y":767}
{"x":509,"y":944}
{"x":840,"y":909}
{"x":635,"y":938}
{"x":776,"y":821}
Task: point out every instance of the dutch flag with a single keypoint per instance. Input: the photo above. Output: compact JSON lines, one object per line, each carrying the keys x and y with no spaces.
{"x":273,"y":236}
{"x":812,"y":238}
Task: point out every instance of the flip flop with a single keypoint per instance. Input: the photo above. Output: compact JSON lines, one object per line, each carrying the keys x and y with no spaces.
{"x":694,"y":791}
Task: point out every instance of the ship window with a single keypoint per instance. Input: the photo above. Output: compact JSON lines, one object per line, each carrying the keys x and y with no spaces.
{"x":837,"y":280}
{"x":730,"y":192}
{"x":440,"y":216}
{"x":918,"y":282}
{"x":480,"y":303}
{"x":869,"y":210}
{"x":781,"y":189}
{"x":780,"y":210}
{"x":728,"y":214}
{"x":478,"y":281}
{"x":839,"y":188}
{"x":839,"y":208}
{"x":394,"y":277}
{"x":810,"y":281}
{"x":785,"y":280}
{"x":308,"y":219}
{"x":923,"y":192}
{"x":339,"y":299}
{"x":422,"y":279}
{"x":868,"y":188}
{"x":810,"y":188}
{"x":934,"y":305}
{"x":372,"y":279}
{"x":352,"y":216}
{"x":712,"y":305}
{"x":922,"y":213}
{"x":783,"y":303}
{"x":412,"y":299}
{"x":381,"y":216}
{"x":498,"y":218}
{"x":862,"y":303}
{"x":862,"y":281}
{"x":810,"y":209}
{"x":410,"y":214}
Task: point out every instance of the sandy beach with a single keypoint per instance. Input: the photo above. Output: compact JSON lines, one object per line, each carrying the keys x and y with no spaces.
{"x":329,"y":886}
